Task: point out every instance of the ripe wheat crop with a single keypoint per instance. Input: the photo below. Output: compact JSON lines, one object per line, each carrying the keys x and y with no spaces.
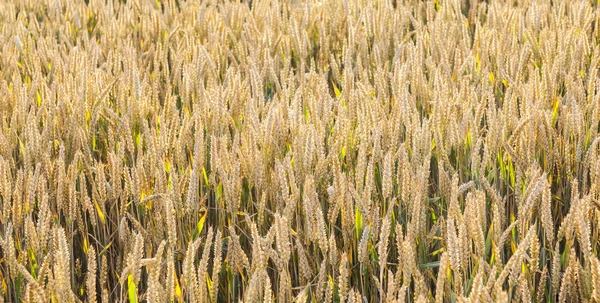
{"x":299,"y":151}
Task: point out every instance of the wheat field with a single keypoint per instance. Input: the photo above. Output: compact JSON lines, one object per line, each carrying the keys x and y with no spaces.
{"x":299,"y":151}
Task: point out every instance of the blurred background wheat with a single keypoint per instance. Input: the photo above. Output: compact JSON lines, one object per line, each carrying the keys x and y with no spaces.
{"x":306,"y":151}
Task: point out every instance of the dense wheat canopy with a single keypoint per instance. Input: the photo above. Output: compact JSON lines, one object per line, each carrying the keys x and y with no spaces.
{"x":299,"y":151}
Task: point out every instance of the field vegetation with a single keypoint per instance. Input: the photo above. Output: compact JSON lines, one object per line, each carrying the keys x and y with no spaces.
{"x":299,"y":151}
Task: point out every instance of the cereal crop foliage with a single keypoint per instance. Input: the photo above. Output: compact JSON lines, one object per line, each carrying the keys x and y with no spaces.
{"x":299,"y":151}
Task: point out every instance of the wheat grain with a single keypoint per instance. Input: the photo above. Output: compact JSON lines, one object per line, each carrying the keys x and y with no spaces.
{"x":304,"y":138}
